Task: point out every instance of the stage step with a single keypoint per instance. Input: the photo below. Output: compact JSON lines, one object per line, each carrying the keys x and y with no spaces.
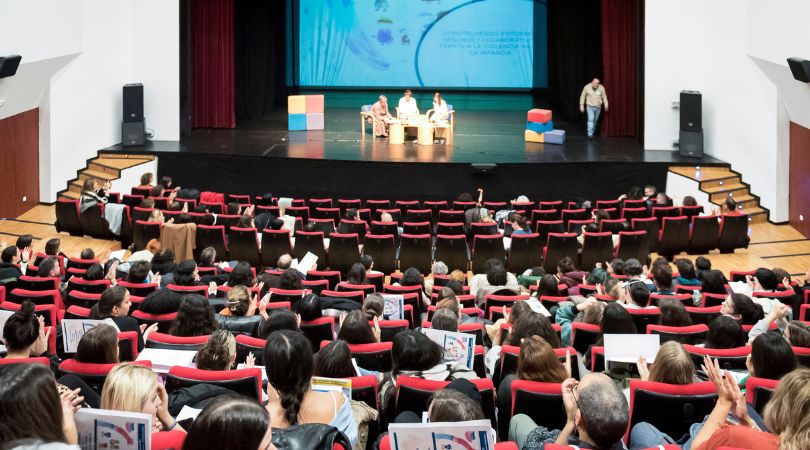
{"x":722,"y":182}
{"x":105,"y":167}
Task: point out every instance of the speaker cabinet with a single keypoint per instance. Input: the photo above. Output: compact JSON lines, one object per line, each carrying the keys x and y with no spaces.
{"x":9,"y":65}
{"x":800,"y":68}
{"x":690,"y":143}
{"x":691,"y":111}
{"x":133,"y":102}
{"x":132,"y":134}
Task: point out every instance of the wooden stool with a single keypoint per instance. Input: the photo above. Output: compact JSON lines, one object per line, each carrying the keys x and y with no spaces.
{"x":396,"y":133}
{"x":425,"y":135}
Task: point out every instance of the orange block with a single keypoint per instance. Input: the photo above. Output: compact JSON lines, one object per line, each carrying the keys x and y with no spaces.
{"x":531,"y":136}
{"x":314,"y":104}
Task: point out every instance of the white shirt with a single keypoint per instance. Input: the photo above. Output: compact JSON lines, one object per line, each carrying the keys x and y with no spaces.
{"x":407,"y":107}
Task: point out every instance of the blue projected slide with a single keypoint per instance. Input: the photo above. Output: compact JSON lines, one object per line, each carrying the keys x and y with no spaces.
{"x":412,"y":43}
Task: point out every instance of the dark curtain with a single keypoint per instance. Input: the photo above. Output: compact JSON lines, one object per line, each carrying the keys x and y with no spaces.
{"x":260,"y":57}
{"x":619,"y":56}
{"x":212,"y":53}
{"x":574,"y":53}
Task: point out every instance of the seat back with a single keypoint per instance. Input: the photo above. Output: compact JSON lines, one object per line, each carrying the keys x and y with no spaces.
{"x":613,"y":225}
{"x":415,"y":251}
{"x":542,"y":402}
{"x":704,"y":235}
{"x":312,"y":242}
{"x":659,"y":212}
{"x":728,"y":358}
{"x":545,"y":227}
{"x":574,"y":214}
{"x":412,"y":394}
{"x":692,"y":334}
{"x":82,"y":299}
{"x":691,"y":211}
{"x":333,"y":277}
{"x":383,"y":249}
{"x":643,"y":317}
{"x":89,"y":287}
{"x":243,"y":245}
{"x":651,"y":226}
{"x":139,"y":289}
{"x":452,"y":250}
{"x":212,"y":236}
{"x":247,"y":382}
{"x":67,"y":217}
{"x":318,"y":330}
{"x":94,"y":224}
{"x":758,"y":391}
{"x":32,"y":283}
{"x":418,"y":215}
{"x":143,"y":232}
{"x":674,"y":236}
{"x":559,"y":246}
{"x":525,"y":252}
{"x":486,"y":247}
{"x":274,"y":244}
{"x":169,"y":342}
{"x":92,"y":374}
{"x":670,"y":408}
{"x":344,"y":251}
{"x":596,"y":248}
{"x":700,"y":314}
{"x":164,"y":321}
{"x":733,"y":232}
{"x":248,"y":344}
{"x":583,"y":335}
{"x":376,"y":357}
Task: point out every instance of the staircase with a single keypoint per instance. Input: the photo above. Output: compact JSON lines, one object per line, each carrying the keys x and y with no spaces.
{"x":722,"y":182}
{"x":105,"y":167}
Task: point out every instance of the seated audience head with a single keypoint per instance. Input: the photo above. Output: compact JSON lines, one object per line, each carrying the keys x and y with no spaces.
{"x":11,"y":255}
{"x":662,"y":277}
{"x":194,"y":318}
{"x":147,"y":203}
{"x":99,"y":345}
{"x":356,"y":330}
{"x":52,"y":246}
{"x":703,"y":263}
{"x":267,"y":199}
{"x":87,"y":254}
{"x":689,"y":201}
{"x":602,"y":413}
{"x":538,"y":362}
{"x":548,"y":286}
{"x":787,"y":414}
{"x":613,"y":287}
{"x":231,"y":422}
{"x":412,"y":277}
{"x":713,"y":282}
{"x":276,"y":224}
{"x":373,"y":306}
{"x":633,"y":268}
{"x":797,"y":334}
{"x":532,"y":324}
{"x":451,"y":304}
{"x":32,"y":408}
{"x":233,"y":208}
{"x":132,"y":388}
{"x":367,"y":261}
{"x":455,"y":287}
{"x":208,"y":256}
{"x":278,"y":319}
{"x":650,"y":191}
{"x":765,"y":280}
{"x":334,"y":361}
{"x":24,"y":241}
{"x":592,"y":314}
{"x":24,"y":334}
{"x":459,"y":276}
{"x":662,"y":199}
{"x":597,"y":276}
{"x":565,"y":265}
{"x":166,"y":182}
{"x":219,"y":353}
{"x":289,"y":364}
{"x":245,"y":221}
{"x":638,"y":293}
{"x":49,"y":268}
{"x":163,"y":261}
{"x":742,"y":307}
{"x":94,"y":273}
{"x":725,"y":332}
{"x":146,"y":179}
{"x":241,"y":275}
{"x":518,"y":311}
{"x":156,"y":191}
{"x":139,"y":271}
{"x":357,"y":274}
{"x":284,"y":262}
{"x":309,"y":308}
{"x":617,"y":266}
{"x":616,"y":320}
{"x":686,"y":269}
{"x":412,"y":351}
{"x":450,"y":405}
{"x":729,"y":206}
{"x":114,"y":302}
{"x":290,"y":280}
{"x":439,"y":268}
{"x":673,"y":313}
{"x":497,"y":276}
{"x":672,"y":365}
{"x":186,"y":274}
{"x":771,"y":357}
{"x":238,"y":301}
{"x":445,"y":319}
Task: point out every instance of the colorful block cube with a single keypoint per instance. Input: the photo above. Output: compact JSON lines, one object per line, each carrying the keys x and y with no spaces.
{"x":539,"y":115}
{"x":540,"y":127}
{"x":314,"y":104}
{"x":314,"y":121}
{"x":296,"y":122}
{"x":555,"y":137}
{"x":531,"y":136}
{"x":297,"y":104}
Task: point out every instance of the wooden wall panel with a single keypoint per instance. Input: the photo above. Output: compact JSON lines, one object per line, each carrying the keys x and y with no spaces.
{"x":19,"y":163}
{"x":800,"y":178}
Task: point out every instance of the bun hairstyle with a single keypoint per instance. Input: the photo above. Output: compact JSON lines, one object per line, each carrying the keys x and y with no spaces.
{"x":22,"y":328}
{"x":289,"y":363}
{"x":216,"y":354}
{"x":111,"y":297}
{"x":373,"y":306}
{"x":238,"y":300}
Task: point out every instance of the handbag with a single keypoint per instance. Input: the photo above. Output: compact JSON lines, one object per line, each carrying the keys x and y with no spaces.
{"x":310,"y":436}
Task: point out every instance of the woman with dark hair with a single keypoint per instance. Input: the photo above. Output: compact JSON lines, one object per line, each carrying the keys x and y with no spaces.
{"x":52,"y":247}
{"x":94,"y":273}
{"x":713,"y":282}
{"x":673,"y":313}
{"x":356,"y":275}
{"x":186,"y":274}
{"x":334,"y":361}
{"x":725,"y":332}
{"x":548,"y":285}
{"x":309,"y":308}
{"x":162,"y":301}
{"x":450,"y":405}
{"x":33,"y":411}
{"x":533,"y":325}
{"x":115,"y":304}
{"x":231,"y":422}
{"x":741,"y":307}
{"x":99,"y":345}
{"x":194,"y":318}
{"x":290,"y":280}
{"x":276,"y":320}
{"x":771,"y":357}
{"x":615,"y":320}
{"x":241,"y":275}
{"x":95,"y":194}
{"x":355,"y":329}
{"x":146,"y":181}
{"x":289,"y":364}
{"x":412,"y":277}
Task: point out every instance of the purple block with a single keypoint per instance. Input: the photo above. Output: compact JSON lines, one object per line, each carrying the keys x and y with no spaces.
{"x":555,"y":137}
{"x":314,"y":121}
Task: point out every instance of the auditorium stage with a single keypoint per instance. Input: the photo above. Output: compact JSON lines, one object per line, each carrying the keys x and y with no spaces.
{"x":488,"y":151}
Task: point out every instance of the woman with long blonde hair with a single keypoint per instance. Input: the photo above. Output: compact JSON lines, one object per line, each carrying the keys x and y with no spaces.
{"x":136,"y":389}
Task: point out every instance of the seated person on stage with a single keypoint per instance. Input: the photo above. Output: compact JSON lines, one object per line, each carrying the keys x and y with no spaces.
{"x":440,"y":113}
{"x":382,"y":118}
{"x":407,"y":107}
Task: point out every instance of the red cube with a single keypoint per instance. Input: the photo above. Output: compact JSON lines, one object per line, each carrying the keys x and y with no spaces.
{"x":539,"y":115}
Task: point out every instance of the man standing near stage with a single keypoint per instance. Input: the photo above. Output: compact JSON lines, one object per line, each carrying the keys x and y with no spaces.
{"x":593,"y":98}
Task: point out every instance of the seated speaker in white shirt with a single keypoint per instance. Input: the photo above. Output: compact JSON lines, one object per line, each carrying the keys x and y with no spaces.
{"x":407,"y":108}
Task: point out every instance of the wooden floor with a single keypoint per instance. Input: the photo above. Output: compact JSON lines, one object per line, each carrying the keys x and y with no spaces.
{"x":771,"y":245}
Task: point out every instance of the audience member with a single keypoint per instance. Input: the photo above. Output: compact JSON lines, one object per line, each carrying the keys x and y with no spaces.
{"x":444,"y":319}
{"x":673,"y":313}
{"x":355,"y":329}
{"x":373,"y":306}
{"x":98,"y":345}
{"x":742,"y":308}
{"x":9,"y":267}
{"x":686,"y":273}
{"x":309,"y":308}
{"x":219,"y":353}
{"x":231,"y":422}
{"x":278,"y":319}
{"x":239,"y":314}
{"x":194,"y":318}
{"x":162,"y":301}
{"x":114,"y":304}
{"x":673,"y":365}
{"x":725,"y":332}
{"x":771,"y":357}
{"x":136,"y":388}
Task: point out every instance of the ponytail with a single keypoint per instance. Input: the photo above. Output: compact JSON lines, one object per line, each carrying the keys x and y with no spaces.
{"x":111,"y":297}
{"x":289,"y":363}
{"x":216,"y":353}
{"x":22,"y":328}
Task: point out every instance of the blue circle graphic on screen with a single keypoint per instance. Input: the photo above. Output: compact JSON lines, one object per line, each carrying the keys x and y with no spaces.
{"x":480,"y":44}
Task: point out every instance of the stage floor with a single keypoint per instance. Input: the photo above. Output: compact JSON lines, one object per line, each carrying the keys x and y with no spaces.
{"x":488,"y":129}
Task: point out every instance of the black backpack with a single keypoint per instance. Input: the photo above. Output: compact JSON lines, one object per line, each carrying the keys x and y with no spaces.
{"x":309,"y":436}
{"x":196,"y":396}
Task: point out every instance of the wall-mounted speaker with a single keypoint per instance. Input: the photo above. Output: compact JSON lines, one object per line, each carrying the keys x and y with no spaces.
{"x":800,"y":69}
{"x":133,"y":102}
{"x":9,"y":65}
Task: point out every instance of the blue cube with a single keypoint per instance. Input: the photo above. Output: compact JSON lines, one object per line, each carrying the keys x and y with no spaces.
{"x":540,"y":127}
{"x":555,"y":137}
{"x":296,"y":122}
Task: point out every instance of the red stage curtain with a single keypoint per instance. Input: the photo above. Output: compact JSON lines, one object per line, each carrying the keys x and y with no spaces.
{"x":619,"y":61}
{"x":212,"y":67}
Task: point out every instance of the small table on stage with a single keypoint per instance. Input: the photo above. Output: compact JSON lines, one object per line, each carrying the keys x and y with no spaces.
{"x":423,"y":127}
{"x":396,"y":133}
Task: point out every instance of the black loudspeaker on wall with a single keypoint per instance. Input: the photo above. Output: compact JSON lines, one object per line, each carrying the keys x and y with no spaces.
{"x":8,"y":65}
{"x":133,"y":102}
{"x":691,"y":111}
{"x":690,"y":143}
{"x":132,"y":133}
{"x":800,"y":69}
